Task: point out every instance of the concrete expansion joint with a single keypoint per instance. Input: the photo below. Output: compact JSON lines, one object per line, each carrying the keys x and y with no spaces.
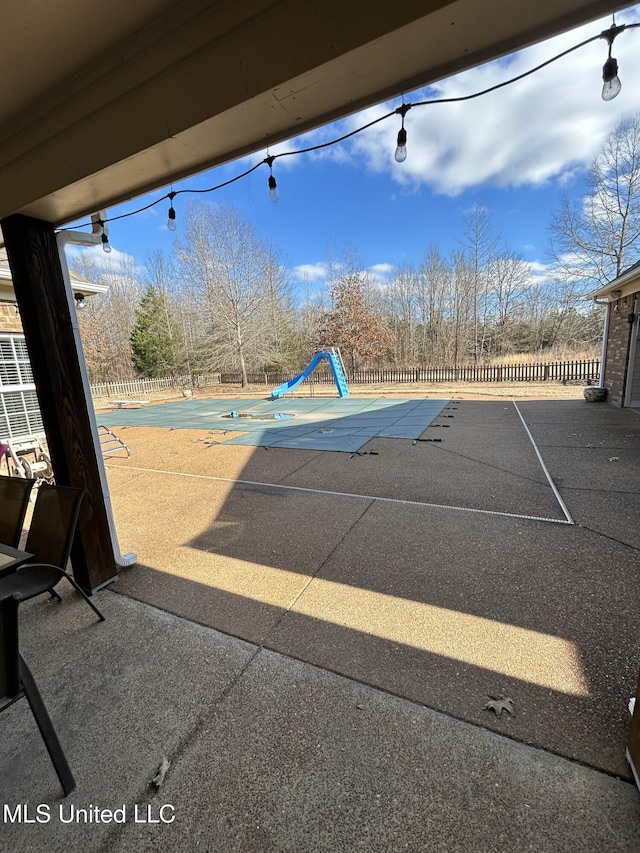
{"x":145,"y":796}
{"x":312,"y":577}
{"x":607,"y":536}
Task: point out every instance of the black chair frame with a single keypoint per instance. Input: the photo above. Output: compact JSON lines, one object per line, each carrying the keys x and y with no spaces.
{"x":16,"y":681}
{"x":14,"y":500}
{"x":50,"y":545}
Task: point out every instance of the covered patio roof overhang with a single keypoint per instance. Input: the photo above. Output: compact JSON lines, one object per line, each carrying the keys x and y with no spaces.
{"x":103,"y":103}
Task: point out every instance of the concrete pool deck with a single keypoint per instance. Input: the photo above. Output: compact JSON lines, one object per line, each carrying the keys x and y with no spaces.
{"x":312,"y":639}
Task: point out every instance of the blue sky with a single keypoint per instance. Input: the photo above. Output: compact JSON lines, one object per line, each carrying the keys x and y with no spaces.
{"x":514,"y":151}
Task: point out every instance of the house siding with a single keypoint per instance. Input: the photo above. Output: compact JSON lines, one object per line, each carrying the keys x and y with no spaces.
{"x":618,"y":349}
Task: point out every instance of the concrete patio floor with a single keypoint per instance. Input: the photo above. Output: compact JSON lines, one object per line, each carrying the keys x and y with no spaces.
{"x":311,"y":639}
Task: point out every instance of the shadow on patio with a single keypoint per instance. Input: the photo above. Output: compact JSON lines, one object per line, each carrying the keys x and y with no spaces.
{"x":414,"y":614}
{"x":355,"y":565}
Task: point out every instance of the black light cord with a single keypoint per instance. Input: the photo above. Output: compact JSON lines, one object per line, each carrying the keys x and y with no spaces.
{"x":609,"y":35}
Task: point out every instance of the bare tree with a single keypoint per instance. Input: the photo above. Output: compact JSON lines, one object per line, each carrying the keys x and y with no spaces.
{"x":238,"y":284}
{"x":461,"y":309}
{"x":594,"y":241}
{"x":308,"y":317}
{"x":106,"y":321}
{"x":400,"y":305}
{"x":510,"y":278}
{"x":435,"y":277}
{"x":480,"y":247}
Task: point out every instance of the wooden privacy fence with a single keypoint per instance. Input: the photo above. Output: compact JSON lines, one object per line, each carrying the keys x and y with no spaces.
{"x":585,"y":370}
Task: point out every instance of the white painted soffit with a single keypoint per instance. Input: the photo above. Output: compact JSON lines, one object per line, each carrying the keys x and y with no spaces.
{"x":624,"y":285}
{"x":88,"y":288}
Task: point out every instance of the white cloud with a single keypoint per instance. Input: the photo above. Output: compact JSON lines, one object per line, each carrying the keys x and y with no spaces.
{"x":113,"y":262}
{"x":311,"y":272}
{"x":381,"y":272}
{"x":538,"y":268}
{"x":545,"y":127}
{"x":321,"y":271}
{"x":539,"y":273}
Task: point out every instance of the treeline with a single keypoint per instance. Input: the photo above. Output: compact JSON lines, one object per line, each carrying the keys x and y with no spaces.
{"x":222,"y":301}
{"x":451,"y":311}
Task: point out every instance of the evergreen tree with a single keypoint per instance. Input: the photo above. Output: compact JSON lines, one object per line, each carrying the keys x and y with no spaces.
{"x":155,"y":338}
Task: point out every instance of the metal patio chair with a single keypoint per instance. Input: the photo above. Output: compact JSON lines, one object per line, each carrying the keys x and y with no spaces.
{"x":17,"y":681}
{"x":50,"y":536}
{"x":14,"y":500}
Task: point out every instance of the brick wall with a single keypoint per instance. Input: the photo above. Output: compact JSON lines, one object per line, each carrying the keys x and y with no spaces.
{"x":9,"y":319}
{"x":618,"y":349}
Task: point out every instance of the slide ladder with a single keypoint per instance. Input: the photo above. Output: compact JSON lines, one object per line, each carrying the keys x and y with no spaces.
{"x":337,"y":369}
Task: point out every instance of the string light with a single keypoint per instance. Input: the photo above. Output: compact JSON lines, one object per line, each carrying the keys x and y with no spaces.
{"x":273,"y":186}
{"x":171,"y":218}
{"x":401,"y":150}
{"x":106,"y":246}
{"x":611,"y":84}
{"x":610,"y":89}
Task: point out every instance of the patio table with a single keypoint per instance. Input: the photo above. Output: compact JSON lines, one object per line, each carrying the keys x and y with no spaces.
{"x":11,"y":559}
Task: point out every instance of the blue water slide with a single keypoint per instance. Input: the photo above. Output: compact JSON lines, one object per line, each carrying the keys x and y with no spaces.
{"x":336,"y":368}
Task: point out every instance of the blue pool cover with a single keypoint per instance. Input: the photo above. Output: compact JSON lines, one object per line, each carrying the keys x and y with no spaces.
{"x":340,"y":424}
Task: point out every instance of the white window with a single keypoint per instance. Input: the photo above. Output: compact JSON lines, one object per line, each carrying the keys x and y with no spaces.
{"x":19,"y":410}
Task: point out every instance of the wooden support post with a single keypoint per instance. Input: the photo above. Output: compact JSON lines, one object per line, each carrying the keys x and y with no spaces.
{"x":46,"y":313}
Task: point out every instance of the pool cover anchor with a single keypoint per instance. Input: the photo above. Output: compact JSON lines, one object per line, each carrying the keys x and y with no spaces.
{"x":500,"y":703}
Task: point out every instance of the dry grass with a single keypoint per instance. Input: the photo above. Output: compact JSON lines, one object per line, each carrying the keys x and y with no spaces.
{"x":527,"y":358}
{"x":458,"y":390}
{"x":476,"y":390}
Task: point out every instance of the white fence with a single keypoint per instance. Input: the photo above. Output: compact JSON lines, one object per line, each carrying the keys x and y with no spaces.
{"x":136,"y":387}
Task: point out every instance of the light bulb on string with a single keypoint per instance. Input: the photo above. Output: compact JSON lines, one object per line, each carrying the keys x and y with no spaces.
{"x":106,"y":245}
{"x":273,"y":189}
{"x":171,"y":217}
{"x":273,"y":186}
{"x":401,"y":149}
{"x":611,"y":84}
